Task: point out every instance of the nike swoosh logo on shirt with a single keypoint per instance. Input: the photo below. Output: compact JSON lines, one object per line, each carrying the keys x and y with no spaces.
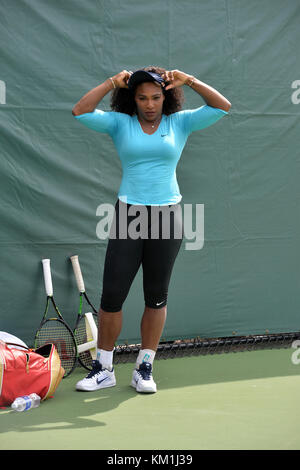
{"x":159,"y":303}
{"x":163,"y":135}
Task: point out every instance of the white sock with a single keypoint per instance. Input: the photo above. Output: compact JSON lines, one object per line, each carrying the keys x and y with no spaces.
{"x":145,"y":355}
{"x":105,"y":358}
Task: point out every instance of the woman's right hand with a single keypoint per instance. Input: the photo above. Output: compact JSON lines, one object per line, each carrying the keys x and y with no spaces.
{"x":121,"y":79}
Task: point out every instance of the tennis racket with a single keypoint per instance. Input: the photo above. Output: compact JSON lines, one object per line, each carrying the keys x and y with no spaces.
{"x":86,"y":327}
{"x":55,"y":330}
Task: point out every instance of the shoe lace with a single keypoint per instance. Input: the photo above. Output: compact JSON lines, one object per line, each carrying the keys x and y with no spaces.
{"x":96,"y":368}
{"x":145,"y":370}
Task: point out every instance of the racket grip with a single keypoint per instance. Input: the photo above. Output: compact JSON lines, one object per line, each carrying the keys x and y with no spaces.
{"x":77,"y":272}
{"x":91,"y":325}
{"x":92,"y":334}
{"x":86,"y":346}
{"x":47,"y":277}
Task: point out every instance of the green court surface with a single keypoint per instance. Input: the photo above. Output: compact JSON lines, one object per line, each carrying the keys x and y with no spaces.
{"x":246,"y":400}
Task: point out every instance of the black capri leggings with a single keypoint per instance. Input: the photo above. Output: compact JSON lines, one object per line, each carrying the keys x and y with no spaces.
{"x":147,"y":235}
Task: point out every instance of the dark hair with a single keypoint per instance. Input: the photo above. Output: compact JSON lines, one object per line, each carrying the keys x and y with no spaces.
{"x":122,"y":99}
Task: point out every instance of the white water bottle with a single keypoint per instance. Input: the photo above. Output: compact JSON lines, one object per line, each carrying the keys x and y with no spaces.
{"x":26,"y":402}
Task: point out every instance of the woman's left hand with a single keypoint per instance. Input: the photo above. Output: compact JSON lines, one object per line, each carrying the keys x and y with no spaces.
{"x":174,"y":78}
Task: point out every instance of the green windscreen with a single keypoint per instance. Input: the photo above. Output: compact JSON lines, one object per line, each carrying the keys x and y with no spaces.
{"x":243,"y":170}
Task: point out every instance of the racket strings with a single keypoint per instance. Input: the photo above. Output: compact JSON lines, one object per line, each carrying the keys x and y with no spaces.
{"x":55,"y":332}
{"x":81,"y":337}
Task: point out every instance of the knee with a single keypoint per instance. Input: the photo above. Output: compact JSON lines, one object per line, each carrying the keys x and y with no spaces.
{"x":156,"y":305}
{"x":155,"y":298}
{"x":110,"y":302}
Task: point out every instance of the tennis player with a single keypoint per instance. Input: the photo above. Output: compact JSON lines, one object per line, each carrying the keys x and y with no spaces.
{"x":149,"y":129}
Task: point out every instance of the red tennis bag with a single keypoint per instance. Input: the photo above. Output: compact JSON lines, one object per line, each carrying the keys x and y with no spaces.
{"x":25,"y":371}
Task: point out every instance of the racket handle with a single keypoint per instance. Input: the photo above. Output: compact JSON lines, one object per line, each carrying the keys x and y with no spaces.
{"x":92,"y":334}
{"x":91,"y":326}
{"x":86,"y":346}
{"x":77,"y":272}
{"x":47,"y":277}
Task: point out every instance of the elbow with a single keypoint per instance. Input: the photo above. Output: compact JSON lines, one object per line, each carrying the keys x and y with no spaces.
{"x":75,"y":111}
{"x":227,"y":107}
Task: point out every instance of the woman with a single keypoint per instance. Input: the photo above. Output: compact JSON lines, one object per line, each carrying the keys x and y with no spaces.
{"x":149,"y":131}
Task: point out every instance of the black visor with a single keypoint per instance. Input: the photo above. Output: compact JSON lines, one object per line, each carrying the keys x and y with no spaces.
{"x":141,"y":76}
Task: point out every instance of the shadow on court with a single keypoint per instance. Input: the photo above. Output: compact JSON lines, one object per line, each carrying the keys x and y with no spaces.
{"x":70,"y":409}
{"x":229,"y":367}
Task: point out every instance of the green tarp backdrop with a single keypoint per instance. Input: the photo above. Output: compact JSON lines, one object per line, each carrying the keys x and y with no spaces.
{"x":54,"y":172}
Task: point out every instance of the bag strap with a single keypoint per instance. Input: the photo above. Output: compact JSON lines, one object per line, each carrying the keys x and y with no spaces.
{"x":19,"y":345}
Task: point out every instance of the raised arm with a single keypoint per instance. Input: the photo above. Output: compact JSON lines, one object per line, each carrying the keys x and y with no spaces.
{"x":211,"y":96}
{"x":92,"y":98}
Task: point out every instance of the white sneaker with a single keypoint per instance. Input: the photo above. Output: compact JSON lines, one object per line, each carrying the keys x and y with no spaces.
{"x":97,"y":378}
{"x":142,"y":379}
